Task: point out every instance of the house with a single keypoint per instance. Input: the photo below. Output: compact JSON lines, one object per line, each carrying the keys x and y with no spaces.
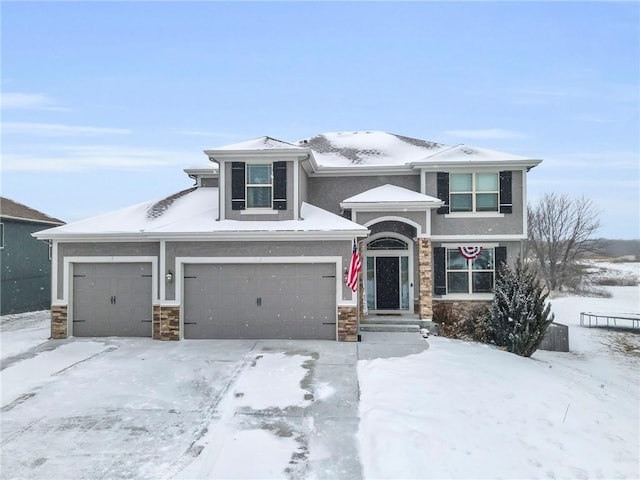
{"x":259,"y":246}
{"x":25,"y":263}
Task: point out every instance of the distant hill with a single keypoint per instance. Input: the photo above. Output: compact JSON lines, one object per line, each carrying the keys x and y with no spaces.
{"x":619,"y":248}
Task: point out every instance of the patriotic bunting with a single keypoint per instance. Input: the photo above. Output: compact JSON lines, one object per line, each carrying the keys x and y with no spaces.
{"x":469,"y":252}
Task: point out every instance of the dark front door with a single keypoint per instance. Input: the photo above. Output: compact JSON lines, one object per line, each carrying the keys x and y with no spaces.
{"x":387,"y":283}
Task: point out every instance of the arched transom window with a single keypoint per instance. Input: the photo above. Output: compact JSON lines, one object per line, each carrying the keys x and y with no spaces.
{"x":387,"y":243}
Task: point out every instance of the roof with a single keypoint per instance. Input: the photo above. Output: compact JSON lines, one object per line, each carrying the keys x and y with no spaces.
{"x":192,"y":213}
{"x":17,"y":211}
{"x":391,"y":194}
{"x":262,"y":143}
{"x":347,"y":149}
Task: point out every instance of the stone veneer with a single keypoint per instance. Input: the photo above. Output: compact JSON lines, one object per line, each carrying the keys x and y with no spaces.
{"x":347,"y":324}
{"x":166,"y":322}
{"x":425,"y":280}
{"x":59,"y":321}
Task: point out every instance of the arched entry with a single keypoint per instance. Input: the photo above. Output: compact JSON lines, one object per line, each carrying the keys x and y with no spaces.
{"x":389,"y":273}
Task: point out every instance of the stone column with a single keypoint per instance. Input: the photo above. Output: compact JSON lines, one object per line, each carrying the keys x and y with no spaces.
{"x":347,"y":324}
{"x":59,"y":322}
{"x":166,"y":322}
{"x":425,"y":292}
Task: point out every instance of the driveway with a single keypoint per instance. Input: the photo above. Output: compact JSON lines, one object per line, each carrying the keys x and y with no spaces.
{"x":138,"y":408}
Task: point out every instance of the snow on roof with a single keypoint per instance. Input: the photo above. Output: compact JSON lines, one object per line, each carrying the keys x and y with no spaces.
{"x":391,"y":194}
{"x":462,"y":153}
{"x":346,"y":149}
{"x":262,"y":143}
{"x":195,"y":211}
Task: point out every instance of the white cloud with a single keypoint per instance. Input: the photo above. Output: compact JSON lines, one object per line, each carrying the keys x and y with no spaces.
{"x":58,"y":129}
{"x":94,"y":157}
{"x":484,"y":134}
{"x":27,"y":101}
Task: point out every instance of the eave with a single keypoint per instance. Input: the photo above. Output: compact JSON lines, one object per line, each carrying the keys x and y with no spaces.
{"x":390,"y":206}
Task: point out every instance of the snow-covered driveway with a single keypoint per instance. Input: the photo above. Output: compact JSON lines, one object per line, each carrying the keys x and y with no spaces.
{"x":138,"y":408}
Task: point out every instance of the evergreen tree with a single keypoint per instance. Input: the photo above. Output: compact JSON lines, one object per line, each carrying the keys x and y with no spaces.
{"x":519,"y":317}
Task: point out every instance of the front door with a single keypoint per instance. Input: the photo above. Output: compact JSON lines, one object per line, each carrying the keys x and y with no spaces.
{"x":387,"y":274}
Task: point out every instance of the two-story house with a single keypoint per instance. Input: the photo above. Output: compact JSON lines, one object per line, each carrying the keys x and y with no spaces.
{"x":258,"y":248}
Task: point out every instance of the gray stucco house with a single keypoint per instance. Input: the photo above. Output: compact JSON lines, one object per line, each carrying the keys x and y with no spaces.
{"x":259,"y":246}
{"x":25,"y":264}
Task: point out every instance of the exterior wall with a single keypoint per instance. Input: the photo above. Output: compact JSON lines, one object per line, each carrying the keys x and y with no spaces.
{"x":124,"y":249}
{"x":209,"y":181}
{"x":418,"y":217}
{"x":257,"y":249}
{"x":425,"y":279}
{"x":231,"y":214}
{"x":303,"y":186}
{"x":328,"y":192}
{"x":508,"y":224}
{"x":347,"y":324}
{"x":59,"y":322}
{"x":166,"y":322}
{"x":25,"y":268}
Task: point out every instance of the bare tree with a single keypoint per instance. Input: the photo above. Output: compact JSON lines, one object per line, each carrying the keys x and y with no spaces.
{"x":561,"y":232}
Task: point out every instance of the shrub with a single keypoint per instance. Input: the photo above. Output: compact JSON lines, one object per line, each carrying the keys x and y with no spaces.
{"x":473,"y":323}
{"x":519,"y":317}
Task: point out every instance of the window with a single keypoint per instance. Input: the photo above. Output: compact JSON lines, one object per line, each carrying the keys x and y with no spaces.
{"x":474,"y":192}
{"x":1,"y":235}
{"x":259,"y":185}
{"x":470,"y":276}
{"x":387,"y":243}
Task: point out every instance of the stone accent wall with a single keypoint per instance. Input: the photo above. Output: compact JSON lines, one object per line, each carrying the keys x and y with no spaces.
{"x":166,"y":322}
{"x":425,"y":292}
{"x":347,"y":324}
{"x":59,"y":321}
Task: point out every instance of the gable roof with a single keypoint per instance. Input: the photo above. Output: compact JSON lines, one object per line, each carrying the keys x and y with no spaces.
{"x":391,"y":194}
{"x":17,"y":211}
{"x":192,"y":213}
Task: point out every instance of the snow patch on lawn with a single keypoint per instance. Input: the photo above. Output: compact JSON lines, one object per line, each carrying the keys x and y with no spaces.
{"x":468,"y":410}
{"x":22,"y":378}
{"x":21,"y":332}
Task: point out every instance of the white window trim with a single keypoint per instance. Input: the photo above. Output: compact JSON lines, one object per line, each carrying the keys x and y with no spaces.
{"x":474,"y":192}
{"x":474,"y":215}
{"x":469,"y":271}
{"x":248,"y":185}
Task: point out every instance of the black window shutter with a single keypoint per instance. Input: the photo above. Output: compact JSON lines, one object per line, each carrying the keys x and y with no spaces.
{"x":439,"y":271}
{"x":443,"y":191}
{"x":506,"y":205}
{"x":500,"y":257}
{"x":279,"y":185}
{"x":237,"y":186}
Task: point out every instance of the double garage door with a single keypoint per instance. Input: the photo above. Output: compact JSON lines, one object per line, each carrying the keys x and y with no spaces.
{"x":227,"y":301}
{"x":253,"y":301}
{"x":112,"y":299}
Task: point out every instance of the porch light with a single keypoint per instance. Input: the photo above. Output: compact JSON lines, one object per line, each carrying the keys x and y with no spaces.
{"x":169,"y":276}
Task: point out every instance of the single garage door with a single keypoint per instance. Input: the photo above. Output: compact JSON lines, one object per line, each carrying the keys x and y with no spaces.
{"x":112,"y":299}
{"x":253,"y":301}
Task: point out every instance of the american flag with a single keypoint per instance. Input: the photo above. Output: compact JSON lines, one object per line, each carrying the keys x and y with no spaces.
{"x":354,"y":267}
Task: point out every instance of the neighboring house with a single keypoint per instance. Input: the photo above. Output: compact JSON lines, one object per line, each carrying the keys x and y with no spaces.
{"x":25,"y":263}
{"x":258,"y":248}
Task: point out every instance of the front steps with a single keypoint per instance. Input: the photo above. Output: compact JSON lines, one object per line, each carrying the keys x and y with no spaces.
{"x":395,"y":323}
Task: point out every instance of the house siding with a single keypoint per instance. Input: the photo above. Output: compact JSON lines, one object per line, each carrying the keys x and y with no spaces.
{"x":328,"y":192}
{"x":25,"y":268}
{"x":230,"y":214}
{"x":508,"y":224}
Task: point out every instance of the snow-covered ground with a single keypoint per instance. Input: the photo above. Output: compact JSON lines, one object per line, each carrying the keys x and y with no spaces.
{"x":467,"y":410}
{"x":137,"y":408}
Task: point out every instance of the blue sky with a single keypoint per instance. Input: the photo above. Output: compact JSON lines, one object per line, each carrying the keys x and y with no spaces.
{"x":104,"y":104}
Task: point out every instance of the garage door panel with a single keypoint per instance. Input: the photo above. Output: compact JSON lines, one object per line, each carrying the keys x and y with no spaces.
{"x":256,"y":301}
{"x":112,"y":300}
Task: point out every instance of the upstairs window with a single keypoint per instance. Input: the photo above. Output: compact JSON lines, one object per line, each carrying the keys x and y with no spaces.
{"x":259,"y":185}
{"x":473,"y":192}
